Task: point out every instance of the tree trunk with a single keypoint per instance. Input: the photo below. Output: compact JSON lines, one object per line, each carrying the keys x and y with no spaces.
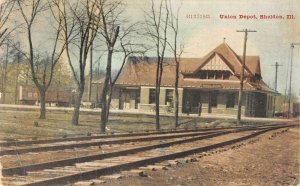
{"x":105,"y":92}
{"x":43,"y":104}
{"x":108,"y":102}
{"x":91,"y":74}
{"x":75,"y":117}
{"x":157,"y":92}
{"x":176,"y":95}
{"x":103,"y":112}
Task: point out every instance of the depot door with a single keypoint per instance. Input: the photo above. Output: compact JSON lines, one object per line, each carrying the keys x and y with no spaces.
{"x":213,"y":100}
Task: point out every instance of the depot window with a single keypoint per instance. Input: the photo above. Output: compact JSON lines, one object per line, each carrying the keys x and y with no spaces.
{"x":152,"y":96}
{"x":169,"y":96}
{"x":230,"y":100}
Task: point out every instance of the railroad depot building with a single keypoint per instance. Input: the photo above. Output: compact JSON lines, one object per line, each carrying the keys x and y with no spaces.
{"x":212,"y":81}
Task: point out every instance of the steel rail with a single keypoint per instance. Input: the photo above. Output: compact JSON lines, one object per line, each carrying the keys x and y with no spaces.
{"x":65,"y":162}
{"x":68,"y":179}
{"x":82,"y":138}
{"x":112,"y":135}
{"x":23,"y":169}
{"x":89,"y":144}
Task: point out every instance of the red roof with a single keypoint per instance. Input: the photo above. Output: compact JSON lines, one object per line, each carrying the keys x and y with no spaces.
{"x":142,"y":71}
{"x":234,"y":62}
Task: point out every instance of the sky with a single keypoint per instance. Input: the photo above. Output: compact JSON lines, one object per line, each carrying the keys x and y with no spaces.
{"x":200,"y":35}
{"x":271,"y":41}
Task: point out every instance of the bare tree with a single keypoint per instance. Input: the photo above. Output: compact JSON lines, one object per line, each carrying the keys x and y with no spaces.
{"x":110,"y":32}
{"x":157,"y":26}
{"x":91,"y":74}
{"x":117,"y":40}
{"x":128,"y":47}
{"x":177,"y":52}
{"x":79,"y":31}
{"x":6,"y":7}
{"x":41,"y":67}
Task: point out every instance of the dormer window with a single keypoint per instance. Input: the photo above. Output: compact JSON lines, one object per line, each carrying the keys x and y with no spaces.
{"x":203,"y":74}
{"x":219,"y":75}
{"x":226,"y":75}
{"x":211,"y":74}
{"x":214,"y":74}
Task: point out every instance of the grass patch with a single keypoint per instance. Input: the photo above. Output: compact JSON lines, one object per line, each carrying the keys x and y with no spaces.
{"x":24,"y":124}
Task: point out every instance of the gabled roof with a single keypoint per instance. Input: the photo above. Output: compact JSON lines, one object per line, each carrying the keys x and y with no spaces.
{"x":253,"y":64}
{"x":223,"y":63}
{"x":139,"y":71}
{"x":232,"y":60}
{"x":142,"y":71}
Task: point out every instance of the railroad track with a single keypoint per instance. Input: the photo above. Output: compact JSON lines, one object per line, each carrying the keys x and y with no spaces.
{"x":26,"y":146}
{"x":93,"y":136}
{"x":144,"y":151}
{"x":32,"y":146}
{"x":10,"y":150}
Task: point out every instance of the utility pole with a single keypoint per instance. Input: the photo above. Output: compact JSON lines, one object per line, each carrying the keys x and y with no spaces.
{"x":275,"y":87}
{"x":291,"y":71}
{"x":242,"y":76}
{"x":276,"y":72}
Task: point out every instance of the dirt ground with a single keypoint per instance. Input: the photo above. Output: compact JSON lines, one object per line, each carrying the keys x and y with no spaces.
{"x":272,"y":159}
